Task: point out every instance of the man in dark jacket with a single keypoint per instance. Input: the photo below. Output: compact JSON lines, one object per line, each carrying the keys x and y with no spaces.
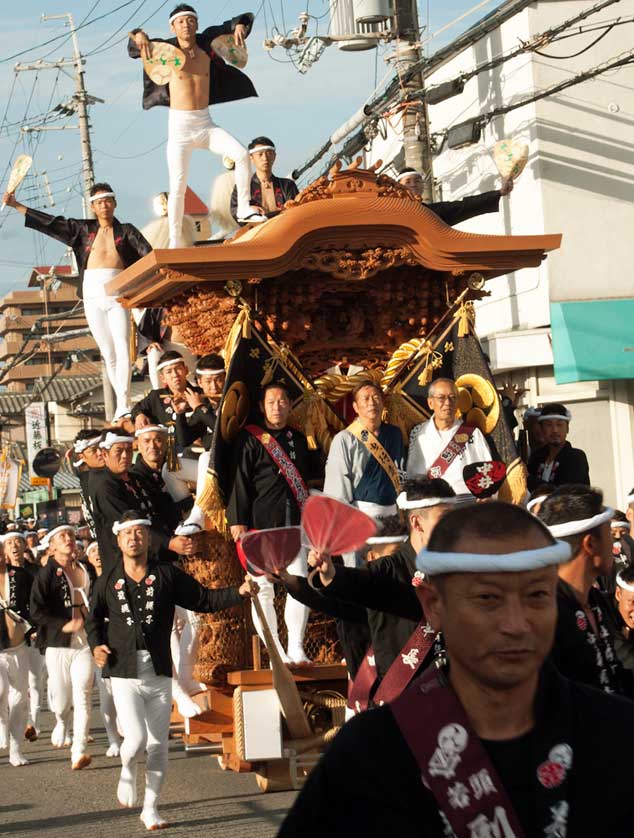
{"x":129,"y":628}
{"x":204,"y":80}
{"x":268,"y":191}
{"x":103,"y":247}
{"x":557,"y":462}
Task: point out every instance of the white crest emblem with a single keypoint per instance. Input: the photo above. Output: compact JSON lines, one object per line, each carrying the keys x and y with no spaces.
{"x":452,"y":740}
{"x":410,"y":658}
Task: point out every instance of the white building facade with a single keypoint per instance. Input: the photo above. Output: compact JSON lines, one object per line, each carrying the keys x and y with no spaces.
{"x":565,"y":330}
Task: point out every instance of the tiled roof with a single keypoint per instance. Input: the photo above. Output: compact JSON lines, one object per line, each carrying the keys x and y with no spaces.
{"x":71,"y":388}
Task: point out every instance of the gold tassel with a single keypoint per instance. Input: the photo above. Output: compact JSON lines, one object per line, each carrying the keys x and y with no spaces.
{"x":241,"y":326}
{"x":514,"y":488}
{"x":171,"y":459}
{"x":310,"y":417}
{"x":210,"y":501}
{"x":466,"y":319}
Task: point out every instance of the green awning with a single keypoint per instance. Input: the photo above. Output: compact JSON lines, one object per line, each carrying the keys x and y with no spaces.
{"x":593,"y":340}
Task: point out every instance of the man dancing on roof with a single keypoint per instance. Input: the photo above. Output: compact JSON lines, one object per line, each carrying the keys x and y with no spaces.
{"x":204,"y":80}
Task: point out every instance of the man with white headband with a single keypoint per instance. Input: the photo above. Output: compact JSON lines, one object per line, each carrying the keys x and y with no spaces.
{"x":269,"y":192}
{"x":584,"y":641}
{"x":103,"y":247}
{"x":557,"y":462}
{"x":493,"y":742}
{"x":204,"y":80}
{"x":624,"y":617}
{"x":444,"y":444}
{"x":161,"y":407}
{"x":116,"y":491}
{"x":455,"y":212}
{"x":385,"y":588}
{"x":59,"y":605}
{"x":627,"y":540}
{"x":15,"y":592}
{"x":365,"y":462}
{"x":88,"y":462}
{"x":129,"y":629}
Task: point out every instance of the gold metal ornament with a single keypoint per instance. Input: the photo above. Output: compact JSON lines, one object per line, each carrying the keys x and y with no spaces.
{"x":234,"y":411}
{"x":478,"y":401}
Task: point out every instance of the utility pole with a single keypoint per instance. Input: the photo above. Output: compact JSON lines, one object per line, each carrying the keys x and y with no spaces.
{"x":80,"y":103}
{"x":416,"y":141}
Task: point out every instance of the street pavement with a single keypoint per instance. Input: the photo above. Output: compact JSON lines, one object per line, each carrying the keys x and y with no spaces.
{"x":47,"y":798}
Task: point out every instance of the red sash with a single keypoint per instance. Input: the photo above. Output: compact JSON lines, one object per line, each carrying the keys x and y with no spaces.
{"x":402,"y":670}
{"x":287,"y":468}
{"x":454,"y":765}
{"x":452,"y":451}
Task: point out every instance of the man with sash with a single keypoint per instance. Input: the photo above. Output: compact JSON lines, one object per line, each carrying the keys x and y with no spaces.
{"x":15,"y":592}
{"x":584,"y":643}
{"x":400,"y":639}
{"x":272,"y":467}
{"x":443,"y":445}
{"x":493,"y":742}
{"x":365,"y":461}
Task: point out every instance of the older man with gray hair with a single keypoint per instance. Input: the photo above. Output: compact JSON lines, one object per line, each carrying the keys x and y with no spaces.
{"x":443,"y":445}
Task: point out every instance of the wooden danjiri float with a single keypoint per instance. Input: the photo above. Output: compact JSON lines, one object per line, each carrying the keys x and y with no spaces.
{"x":354,"y":278}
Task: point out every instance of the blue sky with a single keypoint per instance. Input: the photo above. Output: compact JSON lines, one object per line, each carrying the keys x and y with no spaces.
{"x":298,"y":111}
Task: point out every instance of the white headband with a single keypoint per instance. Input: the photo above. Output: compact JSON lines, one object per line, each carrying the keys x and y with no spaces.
{"x":403,"y":175}
{"x":111,"y":439}
{"x":583,"y":525}
{"x":533,"y":503}
{"x":616,"y":525}
{"x":146,"y":429}
{"x":101,"y":195}
{"x":262,"y":148}
{"x":625,"y":585}
{"x":432,"y":563}
{"x":171,"y":363}
{"x":629,"y":499}
{"x":565,"y":417}
{"x":12,"y":534}
{"x":57,"y":530}
{"x":125,"y":525}
{"x":210,"y":372}
{"x":81,"y":444}
{"x":387,"y":539}
{"x":422,"y":503}
{"x":91,"y":546}
{"x":182,"y":14}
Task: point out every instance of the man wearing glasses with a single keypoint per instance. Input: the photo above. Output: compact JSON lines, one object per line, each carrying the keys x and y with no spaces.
{"x":444,"y":444}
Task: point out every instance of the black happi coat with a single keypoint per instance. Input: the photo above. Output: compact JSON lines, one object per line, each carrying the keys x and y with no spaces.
{"x":284,"y":190}
{"x":112,"y":618}
{"x":580,"y":654}
{"x":20,"y":583}
{"x":260,"y":495}
{"x":368,"y":782}
{"x":112,"y":496}
{"x":51,"y":606}
{"x":570,"y":466}
{"x":157,"y":406}
{"x":165,"y":511}
{"x":200,"y":424}
{"x":85,"y":479}
{"x":80,"y":234}
{"x":226,"y":83}
{"x":454,"y":212}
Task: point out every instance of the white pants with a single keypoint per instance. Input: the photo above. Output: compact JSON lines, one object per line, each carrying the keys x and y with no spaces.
{"x":106,"y":705}
{"x":195,"y":129}
{"x":109,"y":323}
{"x":184,"y":644}
{"x":295,"y":613}
{"x":37,"y":673}
{"x":143,"y":709}
{"x":70,"y":679}
{"x":14,"y":684}
{"x":190,"y":471}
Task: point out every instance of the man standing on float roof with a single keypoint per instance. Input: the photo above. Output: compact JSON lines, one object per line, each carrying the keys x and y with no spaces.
{"x":204,"y":80}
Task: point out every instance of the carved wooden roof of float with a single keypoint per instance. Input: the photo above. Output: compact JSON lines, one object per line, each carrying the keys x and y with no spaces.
{"x":350,"y":225}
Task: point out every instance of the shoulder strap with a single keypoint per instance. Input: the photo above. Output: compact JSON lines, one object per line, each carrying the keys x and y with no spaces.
{"x":287,"y":467}
{"x":383,"y":458}
{"x":452,"y":450}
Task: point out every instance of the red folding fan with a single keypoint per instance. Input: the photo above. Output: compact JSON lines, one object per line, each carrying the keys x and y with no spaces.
{"x":269,"y":551}
{"x":334,"y":527}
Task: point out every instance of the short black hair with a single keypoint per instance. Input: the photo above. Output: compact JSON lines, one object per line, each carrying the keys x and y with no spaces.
{"x":554,"y":409}
{"x":131,"y":515}
{"x":368,"y":382}
{"x":100,"y":187}
{"x":260,"y":141}
{"x":621,"y":517}
{"x":116,"y":431}
{"x":495,"y":519}
{"x":391,"y":525}
{"x":572,"y":502}
{"x":421,"y":488}
{"x":213,"y":361}
{"x":274,"y":385}
{"x":183,"y":7}
{"x":627,"y":575}
{"x":543,"y":490}
{"x":172,"y":355}
{"x":88,"y":433}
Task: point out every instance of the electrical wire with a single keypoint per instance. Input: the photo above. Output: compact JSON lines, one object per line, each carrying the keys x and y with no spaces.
{"x":131,"y":156}
{"x":581,"y":51}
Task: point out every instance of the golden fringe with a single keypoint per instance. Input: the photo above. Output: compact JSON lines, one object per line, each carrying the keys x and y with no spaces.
{"x":466,"y":319}
{"x":399,"y":412}
{"x":241,"y":327}
{"x":310,"y":417}
{"x":210,"y":501}
{"x":513,"y":490}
